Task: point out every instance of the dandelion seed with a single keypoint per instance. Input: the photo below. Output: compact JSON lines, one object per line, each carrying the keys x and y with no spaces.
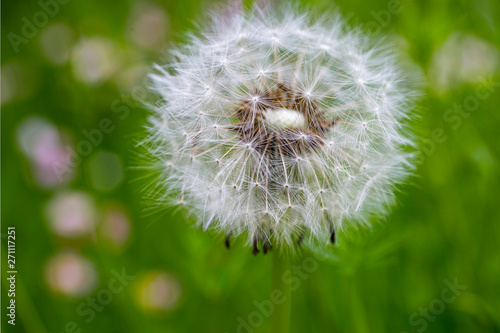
{"x":287,"y":110}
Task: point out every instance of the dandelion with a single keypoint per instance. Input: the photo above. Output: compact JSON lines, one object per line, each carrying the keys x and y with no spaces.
{"x":279,"y":126}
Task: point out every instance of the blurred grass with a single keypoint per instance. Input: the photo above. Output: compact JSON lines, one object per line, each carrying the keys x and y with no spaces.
{"x":446,"y":224}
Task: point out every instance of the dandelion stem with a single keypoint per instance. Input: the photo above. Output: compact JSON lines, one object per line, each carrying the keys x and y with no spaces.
{"x":280,"y":317}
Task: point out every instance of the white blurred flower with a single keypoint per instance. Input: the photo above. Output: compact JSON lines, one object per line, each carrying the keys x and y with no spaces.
{"x":275,"y":124}
{"x":46,"y":148}
{"x":18,"y":81}
{"x":148,"y":25}
{"x":70,"y":274}
{"x":116,"y":225}
{"x":463,"y":59}
{"x":131,"y":78}
{"x":56,"y":41}
{"x":95,"y":59}
{"x":71,"y":214}
{"x":158,"y":291}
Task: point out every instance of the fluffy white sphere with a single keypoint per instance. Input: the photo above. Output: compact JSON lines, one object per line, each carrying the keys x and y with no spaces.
{"x":276,"y":125}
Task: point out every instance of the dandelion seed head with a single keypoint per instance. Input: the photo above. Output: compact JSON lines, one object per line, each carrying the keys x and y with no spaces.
{"x":292,"y":110}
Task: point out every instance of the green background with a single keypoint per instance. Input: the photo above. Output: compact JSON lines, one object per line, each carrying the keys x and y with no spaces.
{"x":444,"y":228}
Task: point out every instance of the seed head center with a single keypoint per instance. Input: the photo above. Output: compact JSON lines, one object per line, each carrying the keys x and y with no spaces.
{"x":282,"y":119}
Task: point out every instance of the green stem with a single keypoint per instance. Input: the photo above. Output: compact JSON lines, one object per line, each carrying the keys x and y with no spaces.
{"x":280,"y":317}
{"x":358,"y":308}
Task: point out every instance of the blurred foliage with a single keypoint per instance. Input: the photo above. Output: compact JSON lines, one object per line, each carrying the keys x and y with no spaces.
{"x":445,"y":227}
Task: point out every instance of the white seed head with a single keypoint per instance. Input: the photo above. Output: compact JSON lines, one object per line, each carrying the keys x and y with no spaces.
{"x":274,"y":125}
